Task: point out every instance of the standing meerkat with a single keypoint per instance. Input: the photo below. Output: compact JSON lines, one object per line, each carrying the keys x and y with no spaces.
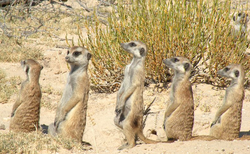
{"x":129,"y":104}
{"x":71,"y":112}
{"x":25,"y":113}
{"x":227,"y":121}
{"x":240,"y":21}
{"x":179,"y":115}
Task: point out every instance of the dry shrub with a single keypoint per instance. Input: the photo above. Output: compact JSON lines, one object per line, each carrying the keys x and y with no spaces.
{"x":198,"y":30}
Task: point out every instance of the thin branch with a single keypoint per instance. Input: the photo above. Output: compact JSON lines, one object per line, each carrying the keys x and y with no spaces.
{"x":85,"y":7}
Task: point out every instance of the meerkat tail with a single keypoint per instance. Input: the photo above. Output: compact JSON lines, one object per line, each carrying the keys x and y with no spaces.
{"x":146,"y":140}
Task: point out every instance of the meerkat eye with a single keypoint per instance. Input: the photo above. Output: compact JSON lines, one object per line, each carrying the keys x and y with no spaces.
{"x":76,"y":53}
{"x":226,"y":69}
{"x":67,"y":52}
{"x":186,"y":66}
{"x":237,"y":73}
{"x":132,"y":44}
{"x":239,"y":14}
{"x":175,"y":60}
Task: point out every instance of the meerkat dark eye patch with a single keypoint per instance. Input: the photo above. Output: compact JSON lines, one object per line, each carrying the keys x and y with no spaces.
{"x":239,"y":14}
{"x":233,"y":18}
{"x":186,"y":66}
{"x":132,"y":44}
{"x":237,"y":73}
{"x":41,"y":67}
{"x":226,"y":69}
{"x":175,"y":60}
{"x":142,"y":51}
{"x":76,"y":54}
{"x":67,"y":52}
{"x":89,"y":56}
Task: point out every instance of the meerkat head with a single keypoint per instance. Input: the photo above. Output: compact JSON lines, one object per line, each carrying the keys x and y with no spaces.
{"x":241,"y":18}
{"x":78,"y":56}
{"x":179,"y":64}
{"x":30,"y":66}
{"x":232,"y":71}
{"x":137,"y":48}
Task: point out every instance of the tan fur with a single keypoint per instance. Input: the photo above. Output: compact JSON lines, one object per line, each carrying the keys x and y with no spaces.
{"x":179,"y":115}
{"x":25,"y":114}
{"x":227,"y":121}
{"x":240,"y":21}
{"x":129,"y":104}
{"x":71,"y":112}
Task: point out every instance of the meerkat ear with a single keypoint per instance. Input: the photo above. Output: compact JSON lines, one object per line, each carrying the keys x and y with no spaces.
{"x":186,"y":66}
{"x":236,"y":73}
{"x":142,"y":51}
{"x":89,"y":56}
{"x":27,"y":69}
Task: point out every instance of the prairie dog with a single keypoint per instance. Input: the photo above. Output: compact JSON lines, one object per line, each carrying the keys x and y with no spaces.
{"x":227,"y":121}
{"x":71,"y":112}
{"x":179,"y":115}
{"x":240,"y":21}
{"x":25,"y":113}
{"x":129,"y":104}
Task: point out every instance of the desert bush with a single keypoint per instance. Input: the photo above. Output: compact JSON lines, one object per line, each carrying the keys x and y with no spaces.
{"x":199,"y":30}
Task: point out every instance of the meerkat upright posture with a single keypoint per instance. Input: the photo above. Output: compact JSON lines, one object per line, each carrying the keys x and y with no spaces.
{"x":129,"y":103}
{"x":227,"y":121}
{"x":179,"y":115}
{"x":25,"y":114}
{"x":240,"y":21}
{"x":71,"y":112}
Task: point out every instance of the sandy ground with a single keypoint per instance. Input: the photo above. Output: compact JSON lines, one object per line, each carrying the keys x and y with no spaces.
{"x":105,"y":137}
{"x":100,"y":130}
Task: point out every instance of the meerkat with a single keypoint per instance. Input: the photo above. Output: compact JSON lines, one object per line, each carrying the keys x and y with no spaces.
{"x":227,"y":121}
{"x":240,"y":21}
{"x":70,"y":119}
{"x":25,"y":113}
{"x":129,"y":104}
{"x":179,"y":115}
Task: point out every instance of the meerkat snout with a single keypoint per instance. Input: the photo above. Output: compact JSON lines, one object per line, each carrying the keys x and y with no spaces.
{"x":67,"y":58}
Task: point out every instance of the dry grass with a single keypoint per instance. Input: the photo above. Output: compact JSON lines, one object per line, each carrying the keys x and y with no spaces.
{"x":48,"y":95}
{"x":8,"y":86}
{"x":14,"y":51}
{"x":35,"y":142}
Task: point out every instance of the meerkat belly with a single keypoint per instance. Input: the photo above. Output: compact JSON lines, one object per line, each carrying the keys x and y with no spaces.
{"x":135,"y":104}
{"x":74,"y":124}
{"x":77,"y":114}
{"x":231,"y":120}
{"x":133,"y":107}
{"x":27,"y":115}
{"x":180,"y":123}
{"x":67,"y":94}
